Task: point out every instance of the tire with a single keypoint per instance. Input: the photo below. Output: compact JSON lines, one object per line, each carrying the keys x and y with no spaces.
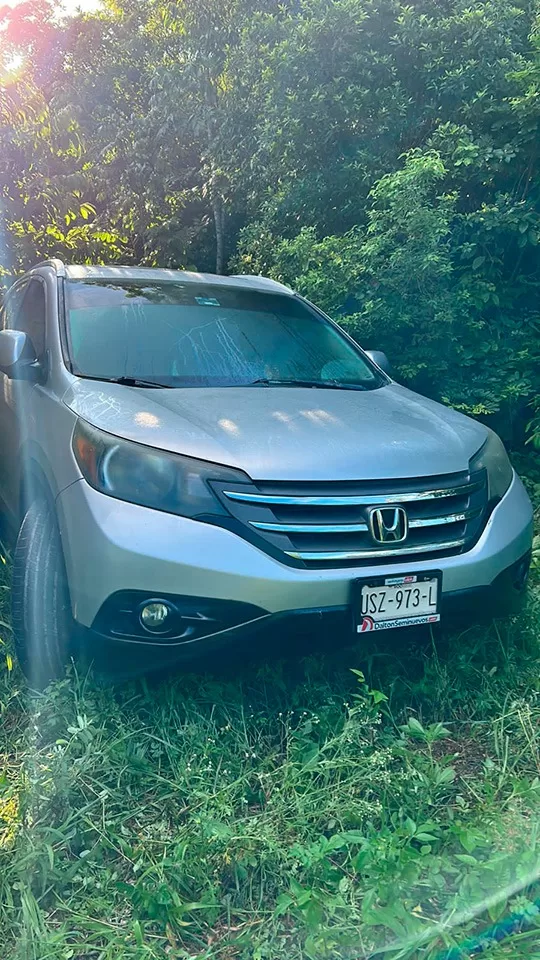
{"x":43,"y":627}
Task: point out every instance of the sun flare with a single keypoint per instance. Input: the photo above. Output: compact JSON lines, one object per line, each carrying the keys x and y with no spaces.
{"x":14,"y":63}
{"x":67,"y":6}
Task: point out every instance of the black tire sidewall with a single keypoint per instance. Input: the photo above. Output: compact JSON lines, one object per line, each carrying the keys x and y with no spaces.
{"x":42,"y":623}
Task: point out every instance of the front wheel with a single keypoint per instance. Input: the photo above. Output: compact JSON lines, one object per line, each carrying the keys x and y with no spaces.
{"x":43,"y":627}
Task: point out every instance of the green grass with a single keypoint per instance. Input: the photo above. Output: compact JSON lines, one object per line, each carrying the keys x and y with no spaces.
{"x":284,"y":809}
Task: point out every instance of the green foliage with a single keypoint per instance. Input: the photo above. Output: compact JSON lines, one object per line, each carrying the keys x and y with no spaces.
{"x":430,"y":249}
{"x":380,"y":156}
{"x":414,"y":282}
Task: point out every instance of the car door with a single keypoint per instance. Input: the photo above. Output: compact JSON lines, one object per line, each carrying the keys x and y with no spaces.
{"x":24,"y":310}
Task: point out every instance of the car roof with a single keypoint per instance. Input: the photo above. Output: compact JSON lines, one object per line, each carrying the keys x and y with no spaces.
{"x":82,"y":272}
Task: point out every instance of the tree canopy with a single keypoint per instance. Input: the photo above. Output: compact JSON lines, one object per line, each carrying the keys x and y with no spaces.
{"x":382,"y":157}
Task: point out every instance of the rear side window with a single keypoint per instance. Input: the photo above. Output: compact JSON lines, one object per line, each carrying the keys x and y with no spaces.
{"x":30,"y":318}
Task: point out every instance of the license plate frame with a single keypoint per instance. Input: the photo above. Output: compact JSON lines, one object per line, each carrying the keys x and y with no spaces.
{"x":367,"y":623}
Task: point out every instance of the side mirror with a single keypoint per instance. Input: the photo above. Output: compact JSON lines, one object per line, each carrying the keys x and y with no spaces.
{"x":18,"y":360}
{"x":381,"y":360}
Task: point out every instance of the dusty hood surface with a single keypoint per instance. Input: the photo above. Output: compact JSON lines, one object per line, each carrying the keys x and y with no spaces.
{"x":279,"y":433}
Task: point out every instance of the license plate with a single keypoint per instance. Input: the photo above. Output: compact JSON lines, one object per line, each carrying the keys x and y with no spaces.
{"x":383,"y":603}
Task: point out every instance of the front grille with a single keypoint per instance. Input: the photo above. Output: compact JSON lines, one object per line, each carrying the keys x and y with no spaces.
{"x":328,"y":524}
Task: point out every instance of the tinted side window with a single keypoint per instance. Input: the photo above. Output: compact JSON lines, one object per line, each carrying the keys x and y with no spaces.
{"x":12,"y":306}
{"x":31,"y":317}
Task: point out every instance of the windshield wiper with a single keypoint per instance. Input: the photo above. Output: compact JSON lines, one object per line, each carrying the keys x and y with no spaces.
{"x":132,"y":382}
{"x":315,"y":384}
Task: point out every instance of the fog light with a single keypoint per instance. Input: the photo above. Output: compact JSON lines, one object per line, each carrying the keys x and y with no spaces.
{"x":154,"y":616}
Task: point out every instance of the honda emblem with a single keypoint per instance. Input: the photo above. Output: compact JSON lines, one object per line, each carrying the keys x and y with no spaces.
{"x":388,"y":524}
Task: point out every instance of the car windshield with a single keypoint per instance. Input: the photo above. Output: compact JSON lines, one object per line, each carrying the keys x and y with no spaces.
{"x":186,"y":334}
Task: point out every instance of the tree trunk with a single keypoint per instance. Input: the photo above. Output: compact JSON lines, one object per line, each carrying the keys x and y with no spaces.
{"x":219,"y":219}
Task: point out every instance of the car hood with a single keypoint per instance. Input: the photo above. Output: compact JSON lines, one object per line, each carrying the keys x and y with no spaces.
{"x":289,"y":433}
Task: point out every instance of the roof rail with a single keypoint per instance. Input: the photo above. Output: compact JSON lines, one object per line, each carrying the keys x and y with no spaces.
{"x":58,"y":265}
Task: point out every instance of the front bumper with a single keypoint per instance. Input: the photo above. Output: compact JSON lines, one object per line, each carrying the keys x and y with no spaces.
{"x":112,"y":546}
{"x":294,"y":630}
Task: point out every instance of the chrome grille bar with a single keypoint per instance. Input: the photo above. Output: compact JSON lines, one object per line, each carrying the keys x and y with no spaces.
{"x":449,"y":518}
{"x":309,"y":527}
{"x":357,"y":527}
{"x":345,"y":555}
{"x":373,"y":499}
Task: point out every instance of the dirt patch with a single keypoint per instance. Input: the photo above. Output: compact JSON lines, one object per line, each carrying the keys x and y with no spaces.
{"x":467,"y":755}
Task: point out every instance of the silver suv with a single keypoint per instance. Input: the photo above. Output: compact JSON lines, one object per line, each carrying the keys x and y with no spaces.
{"x":191,"y":459}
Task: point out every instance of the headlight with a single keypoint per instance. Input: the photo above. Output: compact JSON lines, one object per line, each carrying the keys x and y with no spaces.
{"x":152,"y":478}
{"x":493,"y":458}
